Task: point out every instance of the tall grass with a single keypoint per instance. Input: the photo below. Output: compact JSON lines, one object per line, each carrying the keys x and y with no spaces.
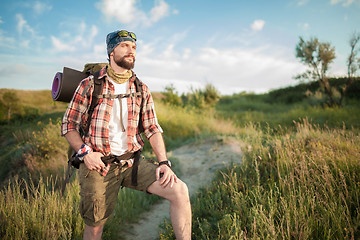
{"x":181,"y":124}
{"x":294,"y":185}
{"x":38,"y":211}
{"x":33,"y":209}
{"x":30,"y":211}
{"x":298,"y":181}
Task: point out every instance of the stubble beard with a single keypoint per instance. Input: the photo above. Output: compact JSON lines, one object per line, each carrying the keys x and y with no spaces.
{"x":121,"y":62}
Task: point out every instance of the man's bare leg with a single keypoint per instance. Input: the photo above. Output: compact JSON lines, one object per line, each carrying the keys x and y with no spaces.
{"x":180,"y":209}
{"x":93,"y":233}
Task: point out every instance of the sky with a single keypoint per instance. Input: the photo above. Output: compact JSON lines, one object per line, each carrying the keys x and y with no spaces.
{"x":235,"y":45}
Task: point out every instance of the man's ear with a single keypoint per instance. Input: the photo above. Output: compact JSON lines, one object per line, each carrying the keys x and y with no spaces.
{"x":111,"y":56}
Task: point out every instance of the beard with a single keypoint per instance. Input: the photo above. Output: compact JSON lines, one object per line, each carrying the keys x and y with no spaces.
{"x":122,"y":62}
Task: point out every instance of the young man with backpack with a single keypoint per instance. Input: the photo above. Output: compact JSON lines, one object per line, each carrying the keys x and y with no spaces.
{"x":107,"y":141}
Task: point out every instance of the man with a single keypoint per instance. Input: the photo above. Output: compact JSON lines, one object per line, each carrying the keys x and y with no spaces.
{"x":113,"y":133}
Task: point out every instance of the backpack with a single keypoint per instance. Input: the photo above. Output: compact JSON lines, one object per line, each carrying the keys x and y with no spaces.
{"x":73,"y":161}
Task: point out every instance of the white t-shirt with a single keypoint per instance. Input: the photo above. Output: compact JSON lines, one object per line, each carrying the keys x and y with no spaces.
{"x":118,"y":138}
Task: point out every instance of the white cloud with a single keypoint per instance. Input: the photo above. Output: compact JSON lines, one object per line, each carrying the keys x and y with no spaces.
{"x":123,"y":11}
{"x":21,"y":23}
{"x":99,"y":49}
{"x":302,"y":2}
{"x":304,"y":26}
{"x":61,"y":46}
{"x":126,"y":11}
{"x":160,"y":10}
{"x":93,"y":32}
{"x":345,"y":3}
{"x":40,"y":7}
{"x":5,"y":41}
{"x":27,"y":35}
{"x":186,"y":54}
{"x":229,"y":70}
{"x":258,"y":25}
{"x":82,"y":41}
{"x":11,"y":70}
{"x":1,"y":21}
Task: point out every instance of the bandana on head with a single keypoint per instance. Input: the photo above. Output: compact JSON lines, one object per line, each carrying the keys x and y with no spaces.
{"x":113,"y":39}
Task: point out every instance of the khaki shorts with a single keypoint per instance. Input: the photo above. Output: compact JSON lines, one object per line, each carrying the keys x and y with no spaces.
{"x":99,"y":194}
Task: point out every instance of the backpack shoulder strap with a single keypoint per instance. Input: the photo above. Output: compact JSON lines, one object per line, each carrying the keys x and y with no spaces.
{"x":138,"y":85}
{"x":98,"y":86}
{"x":139,"y":89}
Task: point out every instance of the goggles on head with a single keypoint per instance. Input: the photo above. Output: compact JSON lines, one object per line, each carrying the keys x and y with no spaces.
{"x":124,"y":33}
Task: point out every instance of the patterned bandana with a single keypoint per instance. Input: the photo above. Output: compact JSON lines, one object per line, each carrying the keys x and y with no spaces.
{"x":116,"y":77}
{"x":114,"y":38}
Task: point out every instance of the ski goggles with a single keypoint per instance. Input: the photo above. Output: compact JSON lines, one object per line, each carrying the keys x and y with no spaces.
{"x":124,"y":33}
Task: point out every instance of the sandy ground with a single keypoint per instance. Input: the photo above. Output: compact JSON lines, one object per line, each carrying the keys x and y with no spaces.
{"x":199,"y":161}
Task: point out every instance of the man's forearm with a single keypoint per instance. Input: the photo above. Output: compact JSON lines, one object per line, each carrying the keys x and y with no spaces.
{"x":158,"y":145}
{"x":74,"y":139}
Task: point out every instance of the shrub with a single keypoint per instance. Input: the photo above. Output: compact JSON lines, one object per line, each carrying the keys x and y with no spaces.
{"x":171,"y":96}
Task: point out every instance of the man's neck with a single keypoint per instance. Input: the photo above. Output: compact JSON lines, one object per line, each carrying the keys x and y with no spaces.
{"x":117,"y":69}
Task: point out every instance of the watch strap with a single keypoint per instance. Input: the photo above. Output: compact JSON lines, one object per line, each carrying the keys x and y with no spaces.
{"x":167,"y":163}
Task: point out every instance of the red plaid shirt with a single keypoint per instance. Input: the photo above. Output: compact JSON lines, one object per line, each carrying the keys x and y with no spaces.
{"x":98,"y":137}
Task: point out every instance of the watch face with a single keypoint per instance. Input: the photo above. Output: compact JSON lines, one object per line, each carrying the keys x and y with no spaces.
{"x":165,"y":163}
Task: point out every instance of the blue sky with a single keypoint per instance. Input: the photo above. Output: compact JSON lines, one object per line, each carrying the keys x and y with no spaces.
{"x":235,"y":45}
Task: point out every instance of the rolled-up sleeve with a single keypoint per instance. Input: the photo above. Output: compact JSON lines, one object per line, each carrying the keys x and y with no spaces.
{"x":150,"y":121}
{"x":75,"y":113}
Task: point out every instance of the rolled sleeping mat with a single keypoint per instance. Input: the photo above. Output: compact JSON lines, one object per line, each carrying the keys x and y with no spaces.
{"x":65,"y":84}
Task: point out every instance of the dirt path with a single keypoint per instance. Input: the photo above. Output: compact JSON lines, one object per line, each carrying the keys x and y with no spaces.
{"x":199,"y":161}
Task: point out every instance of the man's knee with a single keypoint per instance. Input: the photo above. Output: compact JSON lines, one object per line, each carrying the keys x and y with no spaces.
{"x":93,"y":232}
{"x":181,"y":191}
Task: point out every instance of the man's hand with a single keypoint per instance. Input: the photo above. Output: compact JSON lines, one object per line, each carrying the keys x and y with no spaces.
{"x":168,"y":177}
{"x":93,"y":161}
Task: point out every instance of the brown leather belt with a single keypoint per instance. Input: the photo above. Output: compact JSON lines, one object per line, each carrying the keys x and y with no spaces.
{"x":126,"y":156}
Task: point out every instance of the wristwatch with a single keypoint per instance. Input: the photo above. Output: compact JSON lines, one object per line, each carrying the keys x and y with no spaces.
{"x":167,"y":162}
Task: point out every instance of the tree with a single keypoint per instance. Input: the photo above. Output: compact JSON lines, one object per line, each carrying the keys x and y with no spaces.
{"x":3,"y":111}
{"x":211,"y":94}
{"x":11,"y":102}
{"x":171,"y":96}
{"x":317,"y":56}
{"x":353,"y":63}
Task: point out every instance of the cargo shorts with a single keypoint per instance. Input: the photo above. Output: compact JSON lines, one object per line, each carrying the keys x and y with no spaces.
{"x":98,"y":194}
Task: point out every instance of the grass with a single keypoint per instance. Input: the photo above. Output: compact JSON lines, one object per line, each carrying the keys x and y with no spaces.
{"x":244,"y":108}
{"x":183,"y":124}
{"x":299,"y":178}
{"x":300,"y":184}
{"x":41,"y":100}
{"x":30,"y":211}
{"x":36,"y":149}
{"x":33,"y":147}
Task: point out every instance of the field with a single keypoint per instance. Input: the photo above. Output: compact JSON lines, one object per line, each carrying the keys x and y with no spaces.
{"x":298,"y":180}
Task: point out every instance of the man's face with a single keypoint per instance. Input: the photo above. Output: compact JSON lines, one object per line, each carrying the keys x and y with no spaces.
{"x":124,"y":55}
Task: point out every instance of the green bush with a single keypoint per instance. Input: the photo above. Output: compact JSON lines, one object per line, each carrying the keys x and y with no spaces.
{"x":197,"y":98}
{"x":171,"y":96}
{"x":298,"y":93}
